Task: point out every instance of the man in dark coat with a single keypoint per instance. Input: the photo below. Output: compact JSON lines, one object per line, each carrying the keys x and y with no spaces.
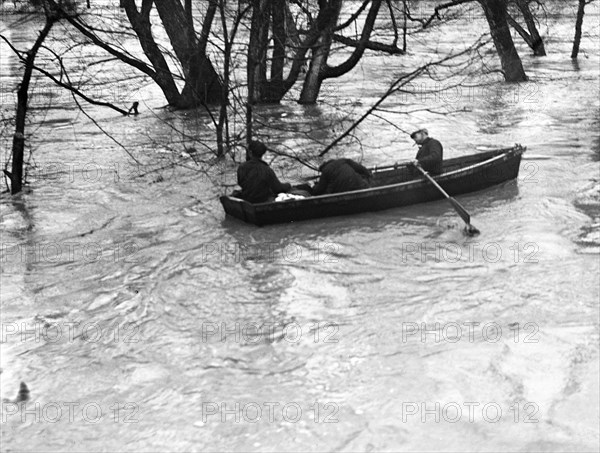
{"x":341,"y":175}
{"x":257,"y":180}
{"x":431,"y":152}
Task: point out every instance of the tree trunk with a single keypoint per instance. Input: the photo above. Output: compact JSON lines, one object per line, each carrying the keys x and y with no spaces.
{"x":249,"y":131}
{"x":496,"y":15}
{"x":578,"y":24}
{"x":140,"y":21}
{"x":279,"y":40}
{"x":202,"y":84}
{"x":271,"y":91}
{"x":362,"y":44}
{"x":260,"y":89}
{"x":18,"y":145}
{"x":319,"y":70}
{"x":207,"y":24}
{"x":327,"y":19}
{"x":314,"y":77}
{"x":537,"y":44}
{"x":520,"y":30}
{"x":292,"y":35}
{"x":189,"y":15}
{"x":257,"y":51}
{"x":404,"y":24}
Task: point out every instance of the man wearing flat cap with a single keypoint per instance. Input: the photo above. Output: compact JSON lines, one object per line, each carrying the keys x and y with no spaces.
{"x":257,"y":180}
{"x":431,"y":152}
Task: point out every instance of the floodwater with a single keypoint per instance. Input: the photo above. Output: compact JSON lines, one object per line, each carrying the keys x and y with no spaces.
{"x":142,"y":319}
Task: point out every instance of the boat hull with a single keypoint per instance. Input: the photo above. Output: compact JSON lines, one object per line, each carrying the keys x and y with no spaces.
{"x":393,"y":187}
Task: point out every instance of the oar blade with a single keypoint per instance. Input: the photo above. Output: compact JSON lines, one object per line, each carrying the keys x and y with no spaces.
{"x":460,"y":210}
{"x":470,"y":230}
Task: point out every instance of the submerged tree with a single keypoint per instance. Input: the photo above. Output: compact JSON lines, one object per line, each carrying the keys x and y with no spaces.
{"x":578,"y":26}
{"x":531,"y":36}
{"x":307,"y":50}
{"x":496,"y":14}
{"x":319,"y":69}
{"x":224,"y":56}
{"x":28,"y":58}
{"x":497,"y":17}
{"x":202,"y":84}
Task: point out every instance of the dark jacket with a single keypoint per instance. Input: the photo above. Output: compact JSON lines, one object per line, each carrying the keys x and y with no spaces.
{"x":341,"y":175}
{"x":431,"y":155}
{"x":258,"y":181}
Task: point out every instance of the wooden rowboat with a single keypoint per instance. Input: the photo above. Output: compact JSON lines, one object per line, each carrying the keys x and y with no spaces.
{"x":392,"y":186}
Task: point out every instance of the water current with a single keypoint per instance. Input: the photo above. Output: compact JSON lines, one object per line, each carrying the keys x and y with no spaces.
{"x":142,"y":319}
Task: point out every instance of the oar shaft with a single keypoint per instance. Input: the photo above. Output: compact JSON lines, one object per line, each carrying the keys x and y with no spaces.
{"x":460,"y":210}
{"x":432,"y":181}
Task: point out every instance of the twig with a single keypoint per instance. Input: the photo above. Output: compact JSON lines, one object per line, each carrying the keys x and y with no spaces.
{"x":395,"y":87}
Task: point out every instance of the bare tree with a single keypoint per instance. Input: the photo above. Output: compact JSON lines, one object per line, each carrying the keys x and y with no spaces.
{"x":458,"y":63}
{"x":497,"y":16}
{"x":28,"y":57}
{"x":229,"y":36}
{"x":309,"y":48}
{"x":202,"y":84}
{"x":319,"y":70}
{"x":578,"y":25}
{"x":532,"y":36}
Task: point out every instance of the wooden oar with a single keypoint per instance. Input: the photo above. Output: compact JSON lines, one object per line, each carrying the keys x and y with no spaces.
{"x":462,"y":212}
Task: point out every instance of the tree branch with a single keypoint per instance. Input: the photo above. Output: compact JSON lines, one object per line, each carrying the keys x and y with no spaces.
{"x":74,"y":90}
{"x":520,"y":30}
{"x":353,"y":17}
{"x":346,"y":66}
{"x":394,"y":24}
{"x":438,"y":8}
{"x":395,"y":87}
{"x":82,"y":28}
{"x":371,"y":45}
{"x":206,"y":25}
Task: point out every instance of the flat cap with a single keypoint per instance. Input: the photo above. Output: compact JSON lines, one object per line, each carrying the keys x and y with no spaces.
{"x":418,"y":131}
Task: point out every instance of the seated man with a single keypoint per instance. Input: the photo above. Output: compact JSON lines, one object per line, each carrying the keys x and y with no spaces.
{"x":257,"y":180}
{"x":341,"y":175}
{"x":430,"y":155}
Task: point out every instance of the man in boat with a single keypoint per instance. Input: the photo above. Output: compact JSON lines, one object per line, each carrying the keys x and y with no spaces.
{"x":431,"y":152}
{"x":341,"y":175}
{"x":257,"y":180}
